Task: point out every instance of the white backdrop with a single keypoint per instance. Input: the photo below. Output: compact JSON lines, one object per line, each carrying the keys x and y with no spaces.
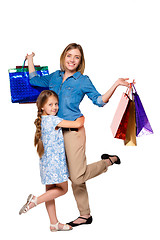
{"x":120,"y":38}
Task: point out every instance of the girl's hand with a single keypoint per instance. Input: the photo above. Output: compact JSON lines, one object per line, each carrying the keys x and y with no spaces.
{"x":28,"y":57}
{"x":80,"y":121}
{"x":123,"y":82}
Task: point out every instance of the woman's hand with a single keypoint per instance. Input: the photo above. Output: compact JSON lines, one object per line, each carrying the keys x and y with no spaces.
{"x":119,"y":82}
{"x":30,"y":56}
{"x":30,"y":62}
{"x":123,"y":82}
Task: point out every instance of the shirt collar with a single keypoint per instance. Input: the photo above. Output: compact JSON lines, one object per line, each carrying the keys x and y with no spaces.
{"x":75,"y":75}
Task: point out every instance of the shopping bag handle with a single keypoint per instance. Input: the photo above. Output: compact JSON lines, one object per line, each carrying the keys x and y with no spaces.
{"x":23,"y":66}
{"x":130,"y":89}
{"x":133,"y":86}
{"x":17,"y":67}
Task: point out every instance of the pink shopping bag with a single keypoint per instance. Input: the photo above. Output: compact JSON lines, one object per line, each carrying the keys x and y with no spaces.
{"x":121,"y":117}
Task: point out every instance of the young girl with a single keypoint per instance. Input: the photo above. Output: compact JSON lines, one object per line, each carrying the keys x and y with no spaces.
{"x":50,"y":147}
{"x":71,"y":86}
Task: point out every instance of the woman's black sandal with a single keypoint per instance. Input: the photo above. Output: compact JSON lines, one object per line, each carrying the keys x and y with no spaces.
{"x":88,"y":221}
{"x":107,"y":156}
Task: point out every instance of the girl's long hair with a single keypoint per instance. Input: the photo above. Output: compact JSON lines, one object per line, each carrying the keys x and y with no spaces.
{"x":41,"y":100}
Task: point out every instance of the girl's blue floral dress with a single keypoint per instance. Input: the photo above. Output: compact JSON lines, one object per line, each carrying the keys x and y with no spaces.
{"x":53,"y":167}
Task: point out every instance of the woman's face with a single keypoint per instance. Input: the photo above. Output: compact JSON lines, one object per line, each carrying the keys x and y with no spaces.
{"x":72,"y":60}
{"x":51,"y":106}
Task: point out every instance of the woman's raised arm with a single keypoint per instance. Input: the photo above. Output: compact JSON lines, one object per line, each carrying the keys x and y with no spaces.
{"x":109,"y":93}
{"x":30,"y":62}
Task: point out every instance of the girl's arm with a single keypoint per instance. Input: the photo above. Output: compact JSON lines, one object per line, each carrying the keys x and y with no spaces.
{"x":109,"y":93}
{"x":79,"y":122}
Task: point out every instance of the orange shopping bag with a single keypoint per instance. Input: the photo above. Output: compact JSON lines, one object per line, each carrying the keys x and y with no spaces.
{"x":131,"y":127}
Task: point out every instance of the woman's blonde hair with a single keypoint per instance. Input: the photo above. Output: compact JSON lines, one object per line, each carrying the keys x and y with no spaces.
{"x":41,"y":100}
{"x":81,"y":66}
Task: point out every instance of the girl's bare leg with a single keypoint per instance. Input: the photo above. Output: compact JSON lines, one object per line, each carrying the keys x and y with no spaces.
{"x":51,"y":209}
{"x":52,"y":192}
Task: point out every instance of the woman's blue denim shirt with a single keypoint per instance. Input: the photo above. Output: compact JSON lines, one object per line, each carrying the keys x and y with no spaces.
{"x":70,"y":92}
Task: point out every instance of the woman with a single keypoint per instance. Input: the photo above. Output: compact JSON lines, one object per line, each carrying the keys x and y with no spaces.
{"x":71,"y":86}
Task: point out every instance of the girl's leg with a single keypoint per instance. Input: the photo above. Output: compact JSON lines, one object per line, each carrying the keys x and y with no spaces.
{"x":52,"y":192}
{"x":51,"y":209}
{"x":50,"y":205}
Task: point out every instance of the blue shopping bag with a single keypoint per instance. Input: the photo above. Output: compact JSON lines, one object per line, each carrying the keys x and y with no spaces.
{"x":20,"y":87}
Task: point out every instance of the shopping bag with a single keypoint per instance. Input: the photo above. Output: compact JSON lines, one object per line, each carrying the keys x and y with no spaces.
{"x":142,"y":122}
{"x":131,"y":127}
{"x":20,"y":88}
{"x":121,"y":117}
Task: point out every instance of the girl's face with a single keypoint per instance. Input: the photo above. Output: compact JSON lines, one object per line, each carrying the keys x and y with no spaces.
{"x":72,"y":60}
{"x":51,"y":106}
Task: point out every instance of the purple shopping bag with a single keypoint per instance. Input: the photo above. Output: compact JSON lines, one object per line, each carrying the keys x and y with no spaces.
{"x":143,"y":126}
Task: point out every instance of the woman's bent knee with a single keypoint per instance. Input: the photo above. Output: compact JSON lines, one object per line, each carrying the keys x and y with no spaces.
{"x":77,"y":181}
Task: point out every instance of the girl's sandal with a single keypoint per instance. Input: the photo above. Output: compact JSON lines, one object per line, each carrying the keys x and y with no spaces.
{"x":66,"y":227}
{"x":31,"y":199}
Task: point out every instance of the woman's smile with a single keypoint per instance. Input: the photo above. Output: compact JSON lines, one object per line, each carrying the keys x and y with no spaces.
{"x":72,"y":60}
